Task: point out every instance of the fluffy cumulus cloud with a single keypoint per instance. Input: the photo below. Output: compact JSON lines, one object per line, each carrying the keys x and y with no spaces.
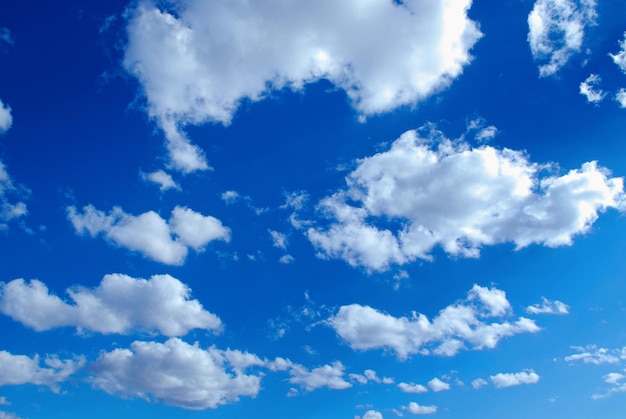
{"x":372,"y":414}
{"x":197,"y":61}
{"x":590,"y":89}
{"x":467,"y":323}
{"x":6,"y":119}
{"x":437,"y":385}
{"x":620,"y":58}
{"x":161,"y":178}
{"x":548,"y":307}
{"x":176,"y":373}
{"x":330,"y":376}
{"x":502,"y":380}
{"x":10,"y":207}
{"x":556,"y":31}
{"x":21,"y":369}
{"x":591,"y":354}
{"x":160,"y":240}
{"x":412,"y":388}
{"x":428,"y":191}
{"x":120,"y":304}
{"x":620,"y":97}
{"x":478,"y":383}
{"x":418,"y":409}
{"x":617,"y":384}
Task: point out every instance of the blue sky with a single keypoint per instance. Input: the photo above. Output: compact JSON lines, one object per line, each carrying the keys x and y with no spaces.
{"x":364,"y":209}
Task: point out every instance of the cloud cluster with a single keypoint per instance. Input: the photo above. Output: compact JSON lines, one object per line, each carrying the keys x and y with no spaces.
{"x":197,"y":61}
{"x":21,"y":369}
{"x":120,"y":304}
{"x":175,"y":373}
{"x":556,"y":31}
{"x":456,"y":327}
{"x":591,"y":354}
{"x":428,"y":191}
{"x":160,"y":240}
{"x":617,"y":383}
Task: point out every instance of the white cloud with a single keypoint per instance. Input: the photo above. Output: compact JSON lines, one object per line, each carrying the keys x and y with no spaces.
{"x":455,"y":327}
{"x":478,"y":383}
{"x":417,"y":409}
{"x":372,"y":414}
{"x":9,"y":209}
{"x":620,"y":97}
{"x":548,"y":307}
{"x":7,"y":415}
{"x":161,"y":178}
{"x":556,"y":31}
{"x":6,"y":119}
{"x":278,"y":239}
{"x":620,"y":58}
{"x":4,"y":401}
{"x":436,"y":192}
{"x":330,"y":376}
{"x":150,"y":234}
{"x":21,"y":369}
{"x":616,"y":380}
{"x":286,"y":259}
{"x":591,"y":354}
{"x":176,"y":373}
{"x":514,"y":379}
{"x":120,"y":304}
{"x":589,"y":88}
{"x":230,"y":197}
{"x":412,"y":388}
{"x":199,"y":64}
{"x":437,"y":385}
{"x":370,"y":375}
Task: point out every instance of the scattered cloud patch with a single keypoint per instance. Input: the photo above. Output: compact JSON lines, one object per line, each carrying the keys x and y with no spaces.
{"x":370,"y":376}
{"x":188,"y":76}
{"x":8,"y":415}
{"x":372,"y":414}
{"x":437,"y":385}
{"x":620,"y":97}
{"x":438,"y":192}
{"x":177,"y":374}
{"x":330,"y":376}
{"x":590,"y":89}
{"x":478,"y":383}
{"x":279,"y":240}
{"x":161,"y":178}
{"x":548,"y":307}
{"x":412,"y":388}
{"x":120,"y":304}
{"x":620,"y":58}
{"x":286,"y":259}
{"x":556,"y":31}
{"x":6,"y":119}
{"x":591,"y":354}
{"x":149,"y":234}
{"x":502,"y":380}
{"x":417,"y":409}
{"x":456,"y":327}
{"x":10,"y":208}
{"x":21,"y":369}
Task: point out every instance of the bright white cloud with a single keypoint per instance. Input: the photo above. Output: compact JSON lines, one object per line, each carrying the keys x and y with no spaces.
{"x":149,"y":234}
{"x":370,"y":375}
{"x":437,"y":385}
{"x":591,"y":354}
{"x":620,"y":97}
{"x":120,"y":304}
{"x":417,"y":409}
{"x":478,"y":383}
{"x":6,"y":119}
{"x":514,"y":379}
{"x":330,"y":376}
{"x":199,"y":64}
{"x":620,"y":58}
{"x":590,"y":89}
{"x":548,"y":307}
{"x":556,"y":31}
{"x":278,"y":239}
{"x":161,"y":178}
{"x":436,"y":192}
{"x":455,"y":327}
{"x":21,"y":369}
{"x":372,"y":414}
{"x":9,"y":208}
{"x":412,"y":388}
{"x":617,"y":385}
{"x":176,"y":373}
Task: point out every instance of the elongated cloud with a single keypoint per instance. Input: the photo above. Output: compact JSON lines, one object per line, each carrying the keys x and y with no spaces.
{"x":160,"y":240}
{"x":418,"y":409}
{"x":548,"y":307}
{"x":175,"y":373}
{"x":458,"y":326}
{"x":502,"y":380}
{"x":556,"y":29}
{"x":10,"y":208}
{"x":21,"y":369}
{"x":428,"y":191}
{"x":6,"y":119}
{"x":198,"y":64}
{"x":120,"y":304}
{"x":330,"y":376}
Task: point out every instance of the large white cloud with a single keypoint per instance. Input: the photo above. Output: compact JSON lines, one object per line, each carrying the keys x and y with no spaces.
{"x":502,"y":380}
{"x":21,"y":369}
{"x":456,"y":327}
{"x":163,"y":241}
{"x":197,"y":61}
{"x":556,"y":31}
{"x":176,"y":373}
{"x":429,"y":191}
{"x":6,"y":119}
{"x":120,"y":304}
